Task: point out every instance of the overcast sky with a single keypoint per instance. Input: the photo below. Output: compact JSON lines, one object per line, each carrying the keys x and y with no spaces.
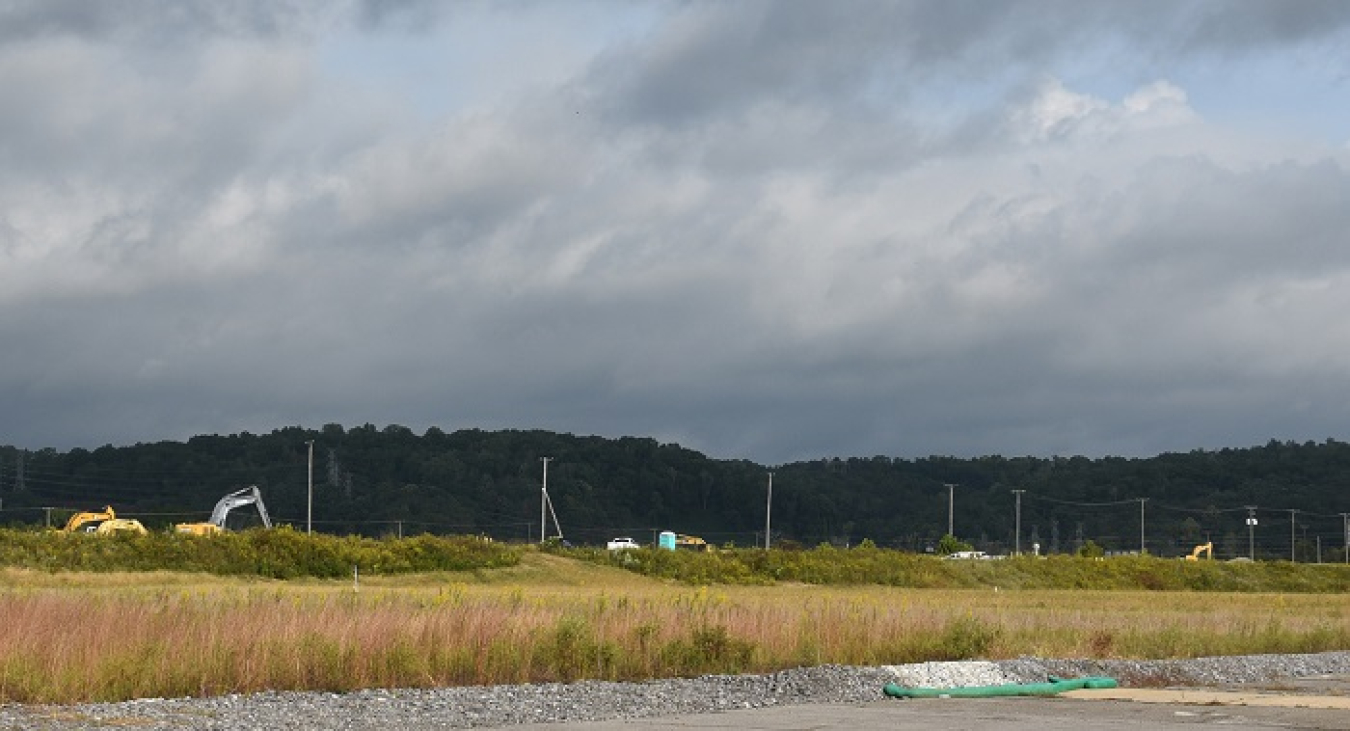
{"x":763,"y":230}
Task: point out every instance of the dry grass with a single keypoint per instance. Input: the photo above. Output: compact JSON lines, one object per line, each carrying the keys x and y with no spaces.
{"x":70,"y":637}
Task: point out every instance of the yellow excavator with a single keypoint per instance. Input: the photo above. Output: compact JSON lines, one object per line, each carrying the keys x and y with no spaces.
{"x":247,"y":496}
{"x":1205,"y":548}
{"x":104,"y":522}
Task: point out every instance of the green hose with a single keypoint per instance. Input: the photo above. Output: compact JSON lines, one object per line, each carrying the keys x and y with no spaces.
{"x":1055,"y":686}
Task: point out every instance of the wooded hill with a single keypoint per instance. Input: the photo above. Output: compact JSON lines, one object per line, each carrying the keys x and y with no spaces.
{"x":389,"y":481}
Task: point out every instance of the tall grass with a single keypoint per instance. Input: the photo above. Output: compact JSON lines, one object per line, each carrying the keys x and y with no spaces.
{"x":72,"y":637}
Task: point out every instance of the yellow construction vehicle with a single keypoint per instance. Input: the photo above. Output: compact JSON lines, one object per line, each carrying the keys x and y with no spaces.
{"x":198,"y":529}
{"x":79,"y":521}
{"x":691,"y":543}
{"x":104,"y":522}
{"x":246,"y":496}
{"x":121,"y":525}
{"x":1205,"y":548}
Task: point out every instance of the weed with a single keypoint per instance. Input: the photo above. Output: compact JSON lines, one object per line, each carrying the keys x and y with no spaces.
{"x":1101,"y":643}
{"x":708,"y":649}
{"x":967,"y":637}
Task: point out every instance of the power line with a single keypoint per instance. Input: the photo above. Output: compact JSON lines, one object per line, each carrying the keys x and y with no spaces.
{"x":121,"y":476}
{"x":1200,"y":511}
{"x":1113,"y":503}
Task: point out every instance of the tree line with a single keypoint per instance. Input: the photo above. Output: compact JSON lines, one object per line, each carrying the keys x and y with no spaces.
{"x":391,"y":480}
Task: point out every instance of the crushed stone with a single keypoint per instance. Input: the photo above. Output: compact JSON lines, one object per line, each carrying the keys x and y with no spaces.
{"x":508,"y":705}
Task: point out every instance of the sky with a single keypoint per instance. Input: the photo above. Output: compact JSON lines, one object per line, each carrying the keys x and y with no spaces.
{"x":774,"y":231}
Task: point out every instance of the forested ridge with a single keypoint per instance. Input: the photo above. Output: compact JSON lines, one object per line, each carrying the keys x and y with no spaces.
{"x":390,"y":480}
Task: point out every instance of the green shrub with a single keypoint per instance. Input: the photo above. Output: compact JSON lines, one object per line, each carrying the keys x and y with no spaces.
{"x":966,"y":638}
{"x":949,"y":544}
{"x":573,"y":653}
{"x":708,"y":649}
{"x":282,"y":553}
{"x":868,"y":564}
{"x":1090,"y":549}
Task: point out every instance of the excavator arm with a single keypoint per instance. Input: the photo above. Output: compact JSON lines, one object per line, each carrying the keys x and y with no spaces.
{"x":79,"y":520}
{"x":1205,"y":548}
{"x":247,"y":496}
{"x":238,"y":499}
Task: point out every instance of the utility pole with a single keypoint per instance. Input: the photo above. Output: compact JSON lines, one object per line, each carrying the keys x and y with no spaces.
{"x":1142,"y":500}
{"x":1345,"y":520}
{"x":543,"y":502}
{"x":1017,"y":532}
{"x":951,"y":509}
{"x":1252,"y":533}
{"x":768,"y":508}
{"x":1293,"y":538}
{"x":309,"y":509}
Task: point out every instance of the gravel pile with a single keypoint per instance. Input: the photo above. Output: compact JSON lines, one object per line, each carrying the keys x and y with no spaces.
{"x":413,"y":710}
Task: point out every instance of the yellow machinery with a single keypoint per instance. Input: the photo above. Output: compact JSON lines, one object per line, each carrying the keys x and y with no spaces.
{"x":198,"y":529}
{"x":1205,"y":548}
{"x":691,"y":543}
{"x":247,"y":496}
{"x":104,"y":522}
{"x":121,"y":525}
{"x":80,"y":520}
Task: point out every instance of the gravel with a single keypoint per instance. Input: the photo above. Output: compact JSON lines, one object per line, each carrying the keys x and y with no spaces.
{"x":479,"y":707}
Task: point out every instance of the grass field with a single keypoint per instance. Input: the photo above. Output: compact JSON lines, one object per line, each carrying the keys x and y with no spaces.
{"x":81,"y":636}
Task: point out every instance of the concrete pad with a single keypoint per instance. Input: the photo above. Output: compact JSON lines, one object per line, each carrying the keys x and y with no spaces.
{"x":980,"y":714}
{"x":1320,"y":703}
{"x":1209,"y":697}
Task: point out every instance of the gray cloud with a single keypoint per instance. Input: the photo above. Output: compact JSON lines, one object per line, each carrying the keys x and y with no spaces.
{"x":765,"y":230}
{"x":712,"y":59}
{"x":155,"y":22}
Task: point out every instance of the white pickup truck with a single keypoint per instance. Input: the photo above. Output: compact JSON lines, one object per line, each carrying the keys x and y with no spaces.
{"x":978,"y":555}
{"x":622,"y":544}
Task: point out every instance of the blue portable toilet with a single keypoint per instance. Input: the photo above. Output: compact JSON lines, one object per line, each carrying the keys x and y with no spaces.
{"x":667,"y":540}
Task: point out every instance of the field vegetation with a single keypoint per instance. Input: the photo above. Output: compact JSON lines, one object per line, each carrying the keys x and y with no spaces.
{"x":283,"y":553}
{"x":289,"y":554}
{"x":81,"y":635}
{"x":868,"y":564}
